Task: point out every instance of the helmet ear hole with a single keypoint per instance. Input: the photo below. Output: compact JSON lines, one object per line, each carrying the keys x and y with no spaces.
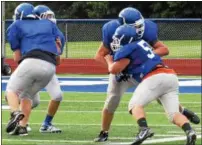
{"x":132,"y":17}
{"x":123,"y":35}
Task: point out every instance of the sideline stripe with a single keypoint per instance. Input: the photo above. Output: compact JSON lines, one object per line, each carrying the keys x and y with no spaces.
{"x":103,"y":77}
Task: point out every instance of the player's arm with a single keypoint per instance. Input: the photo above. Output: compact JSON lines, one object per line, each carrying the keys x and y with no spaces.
{"x":152,"y":38}
{"x":14,"y":41}
{"x":59,"y":39}
{"x":17,"y":55}
{"x":117,"y":66}
{"x":160,"y":48}
{"x":58,"y":60}
{"x":101,"y":53}
{"x":58,"y":45}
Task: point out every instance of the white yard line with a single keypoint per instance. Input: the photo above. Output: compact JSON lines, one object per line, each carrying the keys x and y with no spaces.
{"x":152,"y":141}
{"x":49,"y":141}
{"x":132,"y":138}
{"x":117,"y":112}
{"x":65,"y":124}
{"x":99,"y":101}
{"x":163,"y":140}
{"x":181,"y":132}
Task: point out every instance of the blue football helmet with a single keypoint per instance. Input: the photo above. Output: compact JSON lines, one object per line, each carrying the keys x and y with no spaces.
{"x":123,"y":35}
{"x":24,"y":10}
{"x":44,"y":12}
{"x":133,"y":17}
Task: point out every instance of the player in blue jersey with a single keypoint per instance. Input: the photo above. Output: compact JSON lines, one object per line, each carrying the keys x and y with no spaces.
{"x":53,"y":87}
{"x":36,"y":51}
{"x":146,"y":30}
{"x":135,"y":57}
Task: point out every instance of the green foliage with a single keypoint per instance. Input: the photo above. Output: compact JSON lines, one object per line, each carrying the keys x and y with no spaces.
{"x":110,"y":9}
{"x":176,"y":9}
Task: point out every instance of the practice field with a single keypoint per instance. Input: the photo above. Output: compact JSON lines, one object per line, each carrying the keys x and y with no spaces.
{"x":87,"y":49}
{"x":79,"y":117}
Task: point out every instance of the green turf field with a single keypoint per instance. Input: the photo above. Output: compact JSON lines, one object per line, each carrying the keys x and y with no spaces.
{"x":178,"y":49}
{"x":79,"y":117}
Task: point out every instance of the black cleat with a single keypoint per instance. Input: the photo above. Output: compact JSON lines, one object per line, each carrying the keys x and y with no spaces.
{"x":191,"y":116}
{"x":191,"y":137}
{"x":19,"y":130}
{"x":14,"y":120}
{"x":143,"y":134}
{"x":102,"y":137}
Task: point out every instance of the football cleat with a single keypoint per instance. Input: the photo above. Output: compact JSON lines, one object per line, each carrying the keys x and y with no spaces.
{"x":191,"y":116}
{"x":16,"y":116}
{"x":19,"y":130}
{"x":142,"y":135}
{"x":49,"y":129}
{"x":191,"y":137}
{"x":102,"y":137}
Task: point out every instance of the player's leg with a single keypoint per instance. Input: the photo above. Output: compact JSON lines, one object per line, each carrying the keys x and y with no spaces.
{"x":170,"y":102}
{"x":147,"y":91}
{"x":12,"y":97}
{"x":33,"y":81}
{"x":35,"y":100}
{"x":114,"y":93}
{"x":54,"y":90}
{"x":189,"y":114}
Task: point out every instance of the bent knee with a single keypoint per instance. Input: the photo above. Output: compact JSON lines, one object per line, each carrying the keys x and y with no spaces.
{"x":58,"y":97}
{"x":171,"y":116}
{"x":35,"y":103}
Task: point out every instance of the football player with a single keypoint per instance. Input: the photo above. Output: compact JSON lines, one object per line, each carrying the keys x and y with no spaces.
{"x":146,"y":30}
{"x":36,"y":51}
{"x":157,"y":81}
{"x":53,"y":87}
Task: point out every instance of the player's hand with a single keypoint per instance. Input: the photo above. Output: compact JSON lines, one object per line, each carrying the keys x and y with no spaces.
{"x":58,"y":45}
{"x":109,"y":58}
{"x":122,"y":77}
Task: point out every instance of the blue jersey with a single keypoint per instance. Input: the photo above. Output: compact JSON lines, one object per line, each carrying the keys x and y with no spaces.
{"x":108,"y":31}
{"x":142,"y":59}
{"x":150,"y":33}
{"x":28,"y":35}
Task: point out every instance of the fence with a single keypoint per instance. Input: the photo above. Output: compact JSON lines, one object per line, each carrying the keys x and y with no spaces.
{"x":182,"y":36}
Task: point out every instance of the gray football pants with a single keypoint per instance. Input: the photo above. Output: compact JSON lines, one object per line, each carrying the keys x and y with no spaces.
{"x":161,"y":86}
{"x":30,"y":77}
{"x":115,"y":91}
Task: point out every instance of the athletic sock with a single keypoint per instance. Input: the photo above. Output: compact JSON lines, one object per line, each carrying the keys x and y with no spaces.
{"x":187,"y":113}
{"x":186,"y":127}
{"x":48,"y":120}
{"x":182,"y":111}
{"x":142,"y":122}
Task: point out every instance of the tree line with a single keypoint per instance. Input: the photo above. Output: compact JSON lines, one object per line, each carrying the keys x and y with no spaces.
{"x":110,"y":9}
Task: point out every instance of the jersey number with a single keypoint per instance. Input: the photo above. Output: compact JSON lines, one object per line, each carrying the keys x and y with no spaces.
{"x":147,"y":48}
